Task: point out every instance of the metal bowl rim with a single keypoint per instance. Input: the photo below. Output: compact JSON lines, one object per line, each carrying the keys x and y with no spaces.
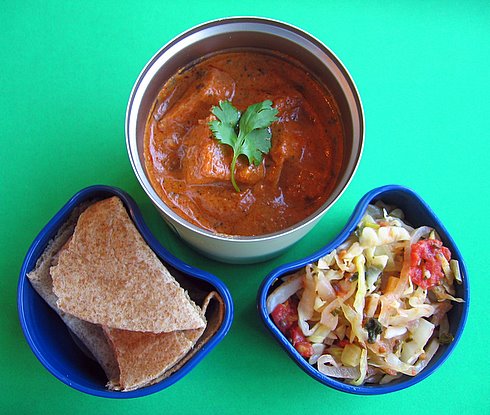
{"x":162,"y":206}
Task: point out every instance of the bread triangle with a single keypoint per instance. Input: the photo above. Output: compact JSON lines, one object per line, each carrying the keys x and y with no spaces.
{"x":146,"y":358}
{"x":108,"y":275}
{"x":143,"y":357}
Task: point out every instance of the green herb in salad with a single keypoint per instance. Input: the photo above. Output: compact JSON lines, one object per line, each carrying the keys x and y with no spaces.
{"x":374,"y":328}
{"x":248,"y":133}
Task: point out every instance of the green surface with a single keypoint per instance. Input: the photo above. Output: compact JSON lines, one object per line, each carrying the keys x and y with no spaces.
{"x":66,"y":71}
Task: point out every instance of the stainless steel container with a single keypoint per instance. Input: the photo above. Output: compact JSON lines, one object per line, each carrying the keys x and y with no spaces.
{"x":231,"y":33}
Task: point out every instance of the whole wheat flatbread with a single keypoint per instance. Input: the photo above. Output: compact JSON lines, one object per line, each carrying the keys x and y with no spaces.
{"x":147,"y":358}
{"x":130,"y":359}
{"x":108,"y":275}
{"x":143,"y":357}
{"x":91,"y":335}
{"x":214,"y":308}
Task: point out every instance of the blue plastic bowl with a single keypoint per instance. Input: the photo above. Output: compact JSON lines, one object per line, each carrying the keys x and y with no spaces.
{"x":51,"y":341}
{"x":417,"y":213}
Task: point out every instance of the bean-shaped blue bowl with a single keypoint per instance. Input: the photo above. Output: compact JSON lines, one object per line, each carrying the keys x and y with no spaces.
{"x":417,"y":213}
{"x":51,"y":341}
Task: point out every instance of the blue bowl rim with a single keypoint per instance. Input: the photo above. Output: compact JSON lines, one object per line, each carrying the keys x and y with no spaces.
{"x":351,"y":225}
{"x":48,"y":232}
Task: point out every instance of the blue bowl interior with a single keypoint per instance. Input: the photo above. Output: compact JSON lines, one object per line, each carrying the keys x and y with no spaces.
{"x":417,"y":213}
{"x":60,"y":351}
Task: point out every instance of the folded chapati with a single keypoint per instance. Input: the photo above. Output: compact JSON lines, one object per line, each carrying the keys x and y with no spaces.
{"x":99,"y":256}
{"x":139,"y":356}
{"x":108,"y":275}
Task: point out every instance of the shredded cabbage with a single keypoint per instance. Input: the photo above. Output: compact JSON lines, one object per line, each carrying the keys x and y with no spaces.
{"x":368,"y":278}
{"x":283,"y":292}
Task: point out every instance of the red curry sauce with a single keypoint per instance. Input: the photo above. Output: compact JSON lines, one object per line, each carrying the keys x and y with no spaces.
{"x":190,"y":170}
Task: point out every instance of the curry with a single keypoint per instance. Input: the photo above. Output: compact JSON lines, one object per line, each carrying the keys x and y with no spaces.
{"x":190,"y":170}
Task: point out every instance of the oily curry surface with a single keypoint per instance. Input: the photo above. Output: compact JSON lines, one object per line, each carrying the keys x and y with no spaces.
{"x":190,"y":170}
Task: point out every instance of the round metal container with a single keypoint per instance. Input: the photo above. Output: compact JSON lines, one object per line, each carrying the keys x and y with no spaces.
{"x":233,"y":33}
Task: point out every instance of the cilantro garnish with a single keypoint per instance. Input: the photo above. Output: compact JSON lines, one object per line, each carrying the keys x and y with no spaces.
{"x":374,"y":328}
{"x":248,"y":133}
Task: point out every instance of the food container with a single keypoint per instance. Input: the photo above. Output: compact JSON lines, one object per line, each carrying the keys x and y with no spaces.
{"x":60,"y":351}
{"x":232,"y":33}
{"x":417,"y":213}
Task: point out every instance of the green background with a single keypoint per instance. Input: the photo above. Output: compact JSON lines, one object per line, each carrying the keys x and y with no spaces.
{"x":66,"y":72}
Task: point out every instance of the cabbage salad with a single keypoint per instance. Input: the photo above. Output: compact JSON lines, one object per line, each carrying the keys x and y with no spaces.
{"x":375,"y":308}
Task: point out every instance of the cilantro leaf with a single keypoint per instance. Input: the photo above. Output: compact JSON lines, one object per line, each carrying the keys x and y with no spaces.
{"x":257,"y":144}
{"x":227,"y":113}
{"x":260,"y":115}
{"x":254,"y":136}
{"x":224,"y":130}
{"x":224,"y":133}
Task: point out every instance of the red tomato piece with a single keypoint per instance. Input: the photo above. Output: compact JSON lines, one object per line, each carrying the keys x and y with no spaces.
{"x":305,"y":349}
{"x":296,"y":335}
{"x":285,"y":315}
{"x":425,"y":263}
{"x":299,"y":342}
{"x":343,"y":343}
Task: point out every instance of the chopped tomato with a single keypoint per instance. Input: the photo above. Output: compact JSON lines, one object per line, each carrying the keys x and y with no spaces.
{"x":285,"y":316}
{"x":425,"y":266}
{"x":299,"y":342}
{"x":305,"y":349}
{"x":296,"y":335}
{"x":343,"y":343}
